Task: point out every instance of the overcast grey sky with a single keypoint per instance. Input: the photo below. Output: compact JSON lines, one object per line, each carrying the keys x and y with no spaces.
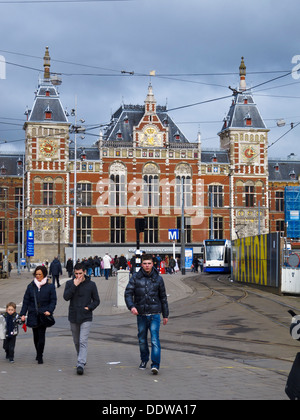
{"x":195,"y":47}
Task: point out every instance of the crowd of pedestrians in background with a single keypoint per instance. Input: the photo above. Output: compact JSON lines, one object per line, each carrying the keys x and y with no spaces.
{"x":107,"y":266}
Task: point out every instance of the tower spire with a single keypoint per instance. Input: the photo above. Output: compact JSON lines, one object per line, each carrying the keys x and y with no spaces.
{"x":242,"y":75}
{"x":150,"y":102}
{"x":47,"y":64}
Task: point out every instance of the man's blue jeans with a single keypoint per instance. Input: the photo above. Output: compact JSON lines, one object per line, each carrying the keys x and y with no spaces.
{"x":152,"y":323}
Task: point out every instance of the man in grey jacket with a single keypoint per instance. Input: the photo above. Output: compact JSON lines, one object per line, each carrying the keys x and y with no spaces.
{"x":146,"y":297}
{"x":83,"y":296}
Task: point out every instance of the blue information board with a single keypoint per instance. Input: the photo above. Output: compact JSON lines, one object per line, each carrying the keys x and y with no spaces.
{"x":30,"y":243}
{"x":188,"y":258}
{"x":292,"y":211}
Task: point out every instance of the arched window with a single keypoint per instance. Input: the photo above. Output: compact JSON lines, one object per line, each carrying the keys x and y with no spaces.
{"x":183,"y":173}
{"x":117,"y":185}
{"x":151,"y":185}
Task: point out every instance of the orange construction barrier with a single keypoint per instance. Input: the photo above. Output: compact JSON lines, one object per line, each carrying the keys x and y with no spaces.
{"x":162,"y":267}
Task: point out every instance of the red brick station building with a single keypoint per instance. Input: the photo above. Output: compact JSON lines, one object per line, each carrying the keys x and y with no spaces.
{"x":141,"y":166}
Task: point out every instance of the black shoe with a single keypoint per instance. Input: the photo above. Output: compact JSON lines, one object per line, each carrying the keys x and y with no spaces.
{"x":79,"y":370}
{"x":143,"y":365}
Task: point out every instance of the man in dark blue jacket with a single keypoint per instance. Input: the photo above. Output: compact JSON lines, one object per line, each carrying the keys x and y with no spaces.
{"x":83,"y":296}
{"x":55,"y":270}
{"x":146,"y":297}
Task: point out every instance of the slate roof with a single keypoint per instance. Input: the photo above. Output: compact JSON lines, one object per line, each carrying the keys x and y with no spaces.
{"x":243,"y":107}
{"x":221,"y":156}
{"x":9,"y":162}
{"x":47,"y":98}
{"x":92,"y":153}
{"x":283,"y":170}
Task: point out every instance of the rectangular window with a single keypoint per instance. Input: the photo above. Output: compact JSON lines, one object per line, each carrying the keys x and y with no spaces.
{"x":151,"y":230}
{"x":249,"y":196}
{"x":2,"y":231}
{"x":279,"y":200}
{"x":16,"y":231}
{"x":48,"y":193}
{"x":18,"y":197}
{"x":117,"y":229}
{"x":215,"y":194}
{"x":187,"y":229}
{"x":84,"y":194}
{"x":280,"y":227}
{"x":84,"y":231}
{"x":217,"y":228}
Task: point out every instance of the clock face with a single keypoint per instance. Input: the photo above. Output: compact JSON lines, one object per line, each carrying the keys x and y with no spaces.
{"x":48,"y":148}
{"x":249,"y":152}
{"x":151,"y":137}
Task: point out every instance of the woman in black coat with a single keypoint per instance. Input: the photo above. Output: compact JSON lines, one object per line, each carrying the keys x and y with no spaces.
{"x":45,"y":294}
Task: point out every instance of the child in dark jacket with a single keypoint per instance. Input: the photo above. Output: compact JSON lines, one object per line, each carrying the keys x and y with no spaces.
{"x":10,"y":321}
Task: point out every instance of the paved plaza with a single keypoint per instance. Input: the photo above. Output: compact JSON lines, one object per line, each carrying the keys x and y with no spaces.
{"x":113,"y":357}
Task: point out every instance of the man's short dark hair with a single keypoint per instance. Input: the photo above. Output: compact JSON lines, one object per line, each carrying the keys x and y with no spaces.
{"x":79,"y":266}
{"x":147,"y":257}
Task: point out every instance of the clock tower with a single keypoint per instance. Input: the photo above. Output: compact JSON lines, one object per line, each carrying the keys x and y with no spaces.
{"x":245,"y":137}
{"x":47,"y":158}
{"x":150,"y":132}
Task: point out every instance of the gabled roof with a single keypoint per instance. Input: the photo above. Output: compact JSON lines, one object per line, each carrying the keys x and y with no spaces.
{"x":127,"y":117}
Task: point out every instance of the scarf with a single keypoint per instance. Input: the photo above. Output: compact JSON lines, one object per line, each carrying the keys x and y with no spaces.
{"x":41,"y":283}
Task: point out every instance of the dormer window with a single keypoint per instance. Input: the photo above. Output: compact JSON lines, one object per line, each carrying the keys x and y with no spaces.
{"x":292,"y":174}
{"x":177,"y":136}
{"x":48,"y":113}
{"x":47,"y":92}
{"x":248,"y":120}
{"x":214,"y":158}
{"x":3,"y":170}
{"x":126,"y":119}
{"x":83,"y":155}
{"x":276,"y":167}
{"x":119,"y":134}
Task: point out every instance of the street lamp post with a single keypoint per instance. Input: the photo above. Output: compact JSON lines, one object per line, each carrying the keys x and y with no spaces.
{"x":182,"y":262}
{"x":21,"y":235}
{"x":75,"y":129}
{"x":5,"y":261}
